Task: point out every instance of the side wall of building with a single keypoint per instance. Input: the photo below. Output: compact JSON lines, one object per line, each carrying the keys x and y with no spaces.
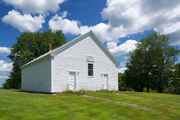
{"x":74,"y":59}
{"x":37,"y":77}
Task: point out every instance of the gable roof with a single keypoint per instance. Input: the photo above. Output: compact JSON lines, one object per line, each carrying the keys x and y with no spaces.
{"x":61,"y":48}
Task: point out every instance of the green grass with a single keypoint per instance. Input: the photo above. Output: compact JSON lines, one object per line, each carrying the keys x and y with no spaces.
{"x":22,"y":105}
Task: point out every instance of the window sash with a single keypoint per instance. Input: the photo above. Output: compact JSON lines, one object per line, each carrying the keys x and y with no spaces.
{"x":90,"y":69}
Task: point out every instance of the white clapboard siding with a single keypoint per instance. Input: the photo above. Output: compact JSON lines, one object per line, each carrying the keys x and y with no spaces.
{"x":37,"y":77}
{"x":74,"y":59}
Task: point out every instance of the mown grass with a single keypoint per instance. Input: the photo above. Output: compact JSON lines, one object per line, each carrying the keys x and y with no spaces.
{"x":22,"y":105}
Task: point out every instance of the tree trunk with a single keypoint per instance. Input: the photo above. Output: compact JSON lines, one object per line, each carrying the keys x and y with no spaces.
{"x":160,"y":90}
{"x":141,"y":89}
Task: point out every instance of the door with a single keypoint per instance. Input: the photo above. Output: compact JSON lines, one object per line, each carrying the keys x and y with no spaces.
{"x":105,"y":81}
{"x":72,"y":81}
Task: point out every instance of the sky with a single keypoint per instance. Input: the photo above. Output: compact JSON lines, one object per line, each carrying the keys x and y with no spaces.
{"x":119,"y":24}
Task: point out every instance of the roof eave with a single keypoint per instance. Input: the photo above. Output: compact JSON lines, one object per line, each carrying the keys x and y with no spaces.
{"x":35,"y":61}
{"x":106,"y":50}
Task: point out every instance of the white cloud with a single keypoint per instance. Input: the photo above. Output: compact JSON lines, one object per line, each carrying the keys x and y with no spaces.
{"x":123,"y":64}
{"x":133,"y":16}
{"x":4,"y":50}
{"x":103,"y":31}
{"x":64,"y":14}
{"x":127,"y":17}
{"x":74,"y":27}
{"x":111,"y":45}
{"x":172,"y":28}
{"x":68,"y":26}
{"x":23,"y":21}
{"x":122,"y":49}
{"x":35,"y":6}
{"x":121,"y":70}
{"x":4,"y":77}
{"x":5,"y":66}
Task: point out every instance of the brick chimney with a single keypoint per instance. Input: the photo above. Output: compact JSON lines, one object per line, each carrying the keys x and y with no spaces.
{"x":50,"y":47}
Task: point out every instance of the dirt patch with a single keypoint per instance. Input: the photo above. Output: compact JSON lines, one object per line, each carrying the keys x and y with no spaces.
{"x":121,"y":94}
{"x":173,"y":102}
{"x":87,"y":96}
{"x":143,"y":107}
{"x":110,"y":101}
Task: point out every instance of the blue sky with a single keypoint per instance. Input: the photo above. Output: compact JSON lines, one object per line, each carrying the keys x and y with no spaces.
{"x":119,"y":24}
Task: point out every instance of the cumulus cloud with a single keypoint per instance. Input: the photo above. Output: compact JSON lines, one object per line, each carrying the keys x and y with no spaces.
{"x":23,"y":21}
{"x":122,"y":70}
{"x":35,"y":6}
{"x":68,"y":26}
{"x":4,"y":50}
{"x":64,"y":14}
{"x":74,"y":27}
{"x":104,"y":31}
{"x":133,"y":16}
{"x":111,"y":45}
{"x":4,"y":77}
{"x":123,"y":64}
{"x":127,"y":17}
{"x":122,"y":49}
{"x":5,"y":66}
{"x":173,"y":30}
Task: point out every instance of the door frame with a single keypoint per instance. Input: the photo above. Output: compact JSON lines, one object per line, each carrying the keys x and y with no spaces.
{"x":75,"y":82}
{"x":103,"y":81}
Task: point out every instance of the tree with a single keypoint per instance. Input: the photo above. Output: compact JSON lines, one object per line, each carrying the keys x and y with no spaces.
{"x":175,"y":79}
{"x":134,"y":74}
{"x":28,"y":47}
{"x":150,"y":63}
{"x":121,"y":84}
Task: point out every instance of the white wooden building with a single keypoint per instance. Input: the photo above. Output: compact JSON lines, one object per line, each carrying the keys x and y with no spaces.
{"x":81,"y":64}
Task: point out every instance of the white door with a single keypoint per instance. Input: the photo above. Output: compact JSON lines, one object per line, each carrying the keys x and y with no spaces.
{"x":72,"y":81}
{"x":105,"y":81}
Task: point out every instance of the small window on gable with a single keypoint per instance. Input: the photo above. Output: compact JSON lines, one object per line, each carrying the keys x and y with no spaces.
{"x":90,"y":69}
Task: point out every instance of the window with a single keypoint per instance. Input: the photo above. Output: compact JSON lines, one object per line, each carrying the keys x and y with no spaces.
{"x":90,"y":69}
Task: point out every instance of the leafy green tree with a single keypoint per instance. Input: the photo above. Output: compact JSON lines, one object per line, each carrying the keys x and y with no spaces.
{"x":29,"y":46}
{"x":119,"y":80}
{"x":163,"y":63}
{"x":121,"y":83}
{"x":150,"y":63}
{"x":135,"y":74}
{"x":175,"y":79}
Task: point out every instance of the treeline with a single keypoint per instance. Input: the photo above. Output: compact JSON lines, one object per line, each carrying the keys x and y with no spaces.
{"x":151,"y":66}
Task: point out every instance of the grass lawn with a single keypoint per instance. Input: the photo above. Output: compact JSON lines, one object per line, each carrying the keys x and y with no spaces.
{"x":22,"y":105}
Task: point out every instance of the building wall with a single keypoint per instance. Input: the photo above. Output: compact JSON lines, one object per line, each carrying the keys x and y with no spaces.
{"x":74,"y":59}
{"x":37,"y":77}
